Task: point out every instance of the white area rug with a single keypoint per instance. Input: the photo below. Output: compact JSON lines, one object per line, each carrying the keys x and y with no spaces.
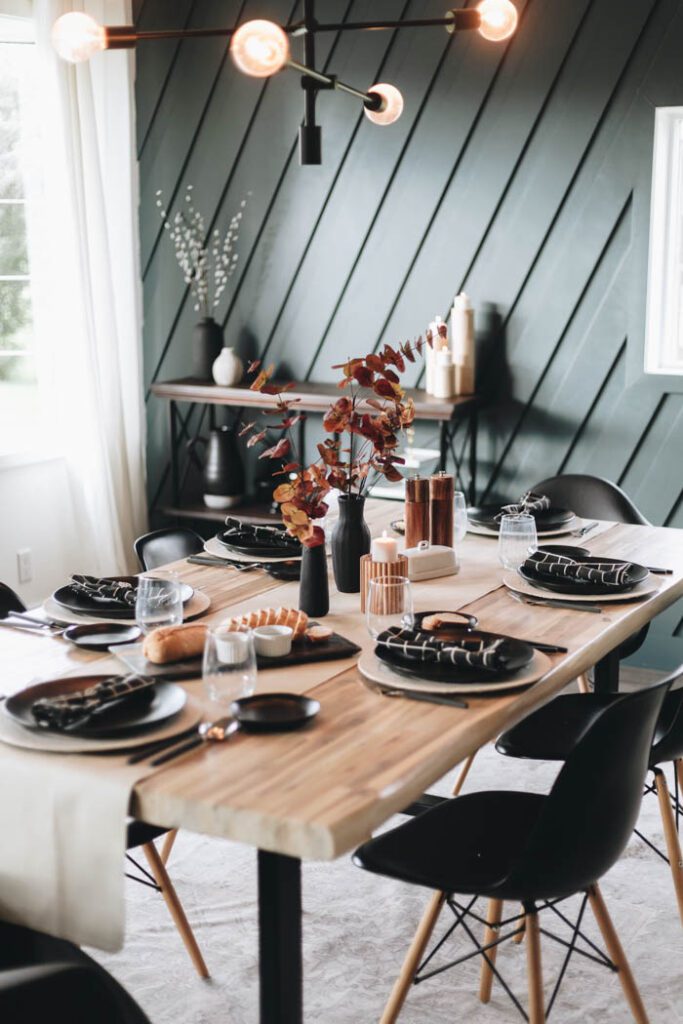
{"x":357,"y":927}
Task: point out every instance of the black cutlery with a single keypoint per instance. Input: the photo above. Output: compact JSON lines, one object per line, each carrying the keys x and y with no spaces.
{"x":430,"y":698}
{"x":157,"y":745}
{"x":208,"y":732}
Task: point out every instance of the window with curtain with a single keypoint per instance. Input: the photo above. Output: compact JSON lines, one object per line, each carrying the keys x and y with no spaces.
{"x":18,"y":387}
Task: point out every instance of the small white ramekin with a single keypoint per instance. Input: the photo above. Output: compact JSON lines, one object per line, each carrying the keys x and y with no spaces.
{"x":273,"y":641}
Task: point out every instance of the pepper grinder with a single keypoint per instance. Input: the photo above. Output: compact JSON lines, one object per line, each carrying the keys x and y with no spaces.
{"x":441,"y":494}
{"x":417,"y":511}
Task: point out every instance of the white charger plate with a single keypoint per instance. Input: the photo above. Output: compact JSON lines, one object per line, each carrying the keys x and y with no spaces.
{"x":560,"y":531}
{"x":376,"y":671}
{"x":198,"y":604}
{"x":642,"y":590}
{"x":214,"y":547}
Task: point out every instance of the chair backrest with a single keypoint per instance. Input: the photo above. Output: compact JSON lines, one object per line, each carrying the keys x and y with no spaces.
{"x":591,"y":497}
{"x":668,"y":744}
{"x":593,"y":806}
{"x":9,"y":601}
{"x":168,"y":545}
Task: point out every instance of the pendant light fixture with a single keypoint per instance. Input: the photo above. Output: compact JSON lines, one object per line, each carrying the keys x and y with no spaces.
{"x":261,"y":49}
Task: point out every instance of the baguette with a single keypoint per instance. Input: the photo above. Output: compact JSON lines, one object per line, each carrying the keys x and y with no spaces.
{"x":296,"y":620}
{"x":174,"y":643}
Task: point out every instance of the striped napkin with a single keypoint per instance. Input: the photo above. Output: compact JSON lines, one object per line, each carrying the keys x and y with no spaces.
{"x":74,"y":709}
{"x":117,"y":592}
{"x":423,"y":647}
{"x":529,"y":503}
{"x":611,"y":574}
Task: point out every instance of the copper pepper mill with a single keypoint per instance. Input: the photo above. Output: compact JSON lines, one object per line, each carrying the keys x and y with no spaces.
{"x":416,"y":511}
{"x":441,"y":495}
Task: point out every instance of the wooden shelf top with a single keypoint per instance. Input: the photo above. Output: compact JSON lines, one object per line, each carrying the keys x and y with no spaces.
{"x":313,"y":397}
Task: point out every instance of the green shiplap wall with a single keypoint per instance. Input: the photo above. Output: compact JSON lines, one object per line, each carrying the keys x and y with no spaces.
{"x":520,"y":173}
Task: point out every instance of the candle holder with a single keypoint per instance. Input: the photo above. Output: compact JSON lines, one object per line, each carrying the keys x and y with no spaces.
{"x":370,"y":570}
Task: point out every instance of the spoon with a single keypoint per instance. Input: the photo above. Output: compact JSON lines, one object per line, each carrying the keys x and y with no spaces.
{"x":208,"y":732}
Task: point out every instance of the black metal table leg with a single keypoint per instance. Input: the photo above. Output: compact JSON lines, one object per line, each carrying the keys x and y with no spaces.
{"x":474,"y":426}
{"x":175,"y":487}
{"x":606,"y":673}
{"x":443,"y":445}
{"x":280,"y":964}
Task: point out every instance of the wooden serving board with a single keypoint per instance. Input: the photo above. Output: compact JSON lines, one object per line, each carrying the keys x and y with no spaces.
{"x":303,"y":652}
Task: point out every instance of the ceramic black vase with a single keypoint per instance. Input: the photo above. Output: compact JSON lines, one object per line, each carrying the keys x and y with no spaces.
{"x":314,"y":592}
{"x":350,"y":541}
{"x":207,"y":342}
{"x":223,"y":469}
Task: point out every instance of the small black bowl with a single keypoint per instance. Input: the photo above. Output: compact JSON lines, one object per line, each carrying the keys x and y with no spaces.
{"x":100,"y":636}
{"x":274,"y":712}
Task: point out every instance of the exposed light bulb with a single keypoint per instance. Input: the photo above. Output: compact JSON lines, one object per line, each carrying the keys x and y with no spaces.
{"x":260,"y":48}
{"x":77,"y":37}
{"x":498,"y":19}
{"x":392,"y":104}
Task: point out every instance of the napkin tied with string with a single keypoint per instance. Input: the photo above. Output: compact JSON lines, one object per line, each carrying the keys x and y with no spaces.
{"x":118,"y":592}
{"x":610,"y":574}
{"x":529,"y":503}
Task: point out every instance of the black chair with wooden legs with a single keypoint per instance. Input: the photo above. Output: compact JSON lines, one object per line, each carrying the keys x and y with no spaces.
{"x":168,"y":545}
{"x":535,"y":850}
{"x":553,"y":732}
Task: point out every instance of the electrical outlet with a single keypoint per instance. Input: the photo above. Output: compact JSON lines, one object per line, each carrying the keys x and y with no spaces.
{"x":25,"y":565}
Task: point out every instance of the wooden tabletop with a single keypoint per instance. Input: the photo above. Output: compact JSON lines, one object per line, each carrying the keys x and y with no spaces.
{"x":318,"y":792}
{"x":309,"y":396}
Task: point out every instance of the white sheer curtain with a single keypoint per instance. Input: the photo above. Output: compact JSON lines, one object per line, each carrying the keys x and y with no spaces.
{"x":86,"y":283}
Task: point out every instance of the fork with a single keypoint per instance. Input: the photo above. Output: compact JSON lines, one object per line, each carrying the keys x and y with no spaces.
{"x":575,"y":606}
{"x":586,"y":528}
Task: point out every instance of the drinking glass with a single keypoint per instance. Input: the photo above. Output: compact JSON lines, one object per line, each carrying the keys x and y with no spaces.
{"x":516,"y":540}
{"x":459,"y":516}
{"x":158,"y":601}
{"x":229,"y":665}
{"x":389,"y":603}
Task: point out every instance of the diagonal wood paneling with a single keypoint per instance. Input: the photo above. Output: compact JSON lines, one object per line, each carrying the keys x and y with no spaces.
{"x":520,"y":172}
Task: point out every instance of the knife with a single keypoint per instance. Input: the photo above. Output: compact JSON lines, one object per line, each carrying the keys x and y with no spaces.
{"x":575,"y":606}
{"x":430,"y":698}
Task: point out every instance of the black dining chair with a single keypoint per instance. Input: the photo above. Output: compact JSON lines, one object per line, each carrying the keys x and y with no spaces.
{"x":168,"y":545}
{"x":9,"y":601}
{"x":45,"y":978}
{"x":533,"y":849}
{"x":553,"y":732}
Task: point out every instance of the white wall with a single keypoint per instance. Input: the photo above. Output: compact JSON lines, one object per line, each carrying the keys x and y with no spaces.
{"x":36,"y":511}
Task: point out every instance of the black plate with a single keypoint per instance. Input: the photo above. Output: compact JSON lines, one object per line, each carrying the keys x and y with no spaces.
{"x":274,"y":712}
{"x":81,"y":604}
{"x":449,"y":630}
{"x":101,"y":636}
{"x":289,"y":570}
{"x":243,"y":542}
{"x":548,"y":519}
{"x":565,"y":586}
{"x":131,"y":715}
{"x":516,"y":653}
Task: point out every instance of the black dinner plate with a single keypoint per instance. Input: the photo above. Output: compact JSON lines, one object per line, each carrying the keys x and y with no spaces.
{"x":242,"y":542}
{"x":547,"y":519}
{"x":130,"y":715}
{"x":101,"y":636}
{"x":515,"y":653}
{"x":81,"y":604}
{"x":569,"y":586}
{"x":274,"y":712}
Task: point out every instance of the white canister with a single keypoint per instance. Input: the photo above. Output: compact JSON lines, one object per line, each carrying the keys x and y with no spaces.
{"x":228,"y":368}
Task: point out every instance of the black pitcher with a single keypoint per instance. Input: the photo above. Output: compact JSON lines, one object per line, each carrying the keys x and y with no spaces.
{"x":207,"y":342}
{"x":223,"y":473}
{"x":314,"y":592}
{"x":350,"y":541}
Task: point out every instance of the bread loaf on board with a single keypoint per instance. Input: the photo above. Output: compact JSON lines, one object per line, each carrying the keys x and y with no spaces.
{"x":177,"y":643}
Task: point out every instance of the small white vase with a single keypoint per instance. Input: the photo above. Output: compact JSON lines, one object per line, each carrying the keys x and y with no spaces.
{"x":228,"y":369}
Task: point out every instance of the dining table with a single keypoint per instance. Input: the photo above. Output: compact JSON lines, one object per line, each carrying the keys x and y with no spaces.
{"x":318,"y":792}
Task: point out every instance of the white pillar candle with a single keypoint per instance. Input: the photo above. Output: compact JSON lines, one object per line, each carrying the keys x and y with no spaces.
{"x":384,"y":549}
{"x":443,"y":374}
{"x":430,"y":351}
{"x":462,"y":341}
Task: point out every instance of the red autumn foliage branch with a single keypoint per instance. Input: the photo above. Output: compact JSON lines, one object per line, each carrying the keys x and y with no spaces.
{"x":372,"y":422}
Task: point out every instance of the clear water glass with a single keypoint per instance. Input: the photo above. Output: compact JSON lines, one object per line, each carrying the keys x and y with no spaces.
{"x":389,"y":602}
{"x":159,"y":601}
{"x":516,"y":540}
{"x":459,"y":516}
{"x":229,"y":665}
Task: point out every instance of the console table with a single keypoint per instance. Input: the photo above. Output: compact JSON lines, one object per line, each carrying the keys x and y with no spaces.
{"x":451,"y":414}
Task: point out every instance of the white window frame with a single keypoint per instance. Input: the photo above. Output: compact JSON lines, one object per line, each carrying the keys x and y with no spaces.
{"x":664,"y":316}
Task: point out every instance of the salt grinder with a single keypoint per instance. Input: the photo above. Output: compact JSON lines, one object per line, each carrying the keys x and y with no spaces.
{"x":441,"y":494}
{"x":416,"y":511}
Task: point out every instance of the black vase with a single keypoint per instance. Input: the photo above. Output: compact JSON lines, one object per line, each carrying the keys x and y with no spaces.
{"x":350,"y":541}
{"x":207,"y":342}
{"x":314,"y":592}
{"x":223,"y":470}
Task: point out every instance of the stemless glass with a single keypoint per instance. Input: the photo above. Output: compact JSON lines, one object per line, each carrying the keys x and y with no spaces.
{"x":158,"y":601}
{"x":459,"y":516}
{"x":389,"y":603}
{"x":229,"y":665}
{"x":516,"y":540}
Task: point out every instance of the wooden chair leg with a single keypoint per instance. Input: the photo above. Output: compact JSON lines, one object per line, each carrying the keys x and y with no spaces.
{"x":679,"y":769}
{"x":519,"y":937}
{"x":493,"y":916}
{"x":167,"y":845}
{"x":673,"y":845}
{"x":617,"y":955}
{"x":175,"y":908}
{"x":464,"y":772}
{"x":534,"y":971}
{"x":583,"y":683}
{"x":413,"y":958}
